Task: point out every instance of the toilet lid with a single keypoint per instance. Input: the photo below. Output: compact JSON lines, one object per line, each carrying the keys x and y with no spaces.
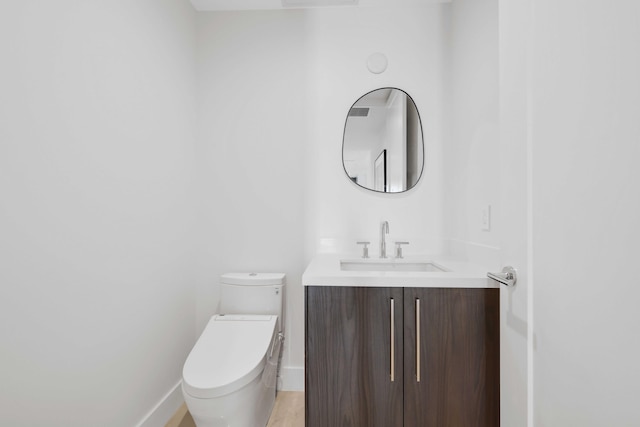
{"x":229,"y":354}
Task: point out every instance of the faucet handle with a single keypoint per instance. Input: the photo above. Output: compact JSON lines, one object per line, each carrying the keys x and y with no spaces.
{"x":399,"y":248}
{"x":365,"y":249}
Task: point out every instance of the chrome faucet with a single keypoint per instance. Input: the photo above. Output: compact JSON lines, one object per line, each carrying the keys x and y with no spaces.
{"x":384,"y":229}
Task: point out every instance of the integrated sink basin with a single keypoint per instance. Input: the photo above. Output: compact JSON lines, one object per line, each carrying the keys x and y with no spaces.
{"x":390,"y":265}
{"x":418,"y":271}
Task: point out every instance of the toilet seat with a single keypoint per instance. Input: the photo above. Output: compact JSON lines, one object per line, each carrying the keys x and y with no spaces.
{"x":229,"y":354}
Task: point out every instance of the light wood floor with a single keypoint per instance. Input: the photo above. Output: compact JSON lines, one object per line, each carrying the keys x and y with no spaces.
{"x":287,"y":412}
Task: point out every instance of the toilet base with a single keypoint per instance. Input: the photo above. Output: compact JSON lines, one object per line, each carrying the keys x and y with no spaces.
{"x":249,"y":406}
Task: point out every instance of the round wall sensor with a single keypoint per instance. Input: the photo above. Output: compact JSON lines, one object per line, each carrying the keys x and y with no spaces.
{"x":377,"y":63}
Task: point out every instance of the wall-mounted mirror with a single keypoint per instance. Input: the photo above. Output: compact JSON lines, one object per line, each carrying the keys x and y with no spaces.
{"x":382,"y":147}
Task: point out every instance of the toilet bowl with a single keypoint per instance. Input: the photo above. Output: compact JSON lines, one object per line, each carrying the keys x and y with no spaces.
{"x":229,"y":378}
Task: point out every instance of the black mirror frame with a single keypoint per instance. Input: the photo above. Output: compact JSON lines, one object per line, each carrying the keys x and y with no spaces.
{"x":421,"y":138}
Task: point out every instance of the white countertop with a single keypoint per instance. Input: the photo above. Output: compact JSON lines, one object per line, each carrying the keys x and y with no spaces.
{"x":325,"y":270}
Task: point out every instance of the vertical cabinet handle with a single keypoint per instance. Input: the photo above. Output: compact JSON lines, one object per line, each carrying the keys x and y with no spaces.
{"x":393,"y":355}
{"x":418,"y":339}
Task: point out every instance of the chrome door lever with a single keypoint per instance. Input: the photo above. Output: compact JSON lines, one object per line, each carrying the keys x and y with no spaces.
{"x":508,"y":276}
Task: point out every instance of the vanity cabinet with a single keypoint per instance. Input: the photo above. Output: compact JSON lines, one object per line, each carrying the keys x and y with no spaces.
{"x":415,"y":357}
{"x":351,"y":333}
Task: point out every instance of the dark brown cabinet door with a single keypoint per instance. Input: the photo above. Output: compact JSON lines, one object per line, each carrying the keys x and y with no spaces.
{"x":349,"y":351}
{"x":452,"y":357}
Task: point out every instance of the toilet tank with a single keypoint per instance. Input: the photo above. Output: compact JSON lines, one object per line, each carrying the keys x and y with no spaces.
{"x":252,"y":293}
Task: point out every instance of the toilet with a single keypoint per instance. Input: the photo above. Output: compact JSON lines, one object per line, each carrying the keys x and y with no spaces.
{"x":229,"y":378}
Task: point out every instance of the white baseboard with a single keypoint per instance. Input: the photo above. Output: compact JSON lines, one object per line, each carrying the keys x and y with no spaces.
{"x":164,"y":409}
{"x":291,"y":378}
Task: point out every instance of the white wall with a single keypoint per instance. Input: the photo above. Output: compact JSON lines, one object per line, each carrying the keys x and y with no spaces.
{"x":340,"y":40}
{"x":586,"y":210}
{"x":253,"y":110}
{"x":472,"y":150}
{"x":97,"y":208}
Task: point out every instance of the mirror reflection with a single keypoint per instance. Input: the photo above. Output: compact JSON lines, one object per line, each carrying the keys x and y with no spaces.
{"x":382,"y":147}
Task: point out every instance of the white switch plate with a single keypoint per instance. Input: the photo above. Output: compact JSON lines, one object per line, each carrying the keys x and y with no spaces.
{"x":486,"y":218}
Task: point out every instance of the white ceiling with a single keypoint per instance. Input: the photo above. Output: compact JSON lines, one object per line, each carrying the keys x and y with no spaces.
{"x":204,"y":5}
